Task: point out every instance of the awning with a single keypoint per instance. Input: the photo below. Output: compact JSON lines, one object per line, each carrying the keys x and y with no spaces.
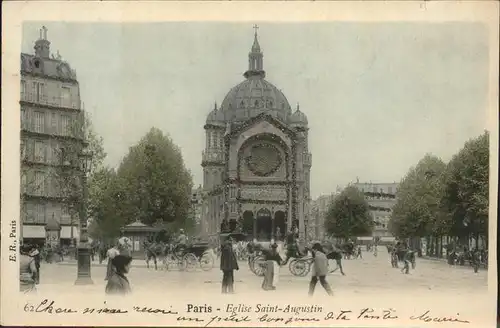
{"x":387,"y":238}
{"x":33,"y":231}
{"x":66,"y":232}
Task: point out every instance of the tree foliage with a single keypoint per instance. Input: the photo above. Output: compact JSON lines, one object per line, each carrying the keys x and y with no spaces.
{"x":440,"y":199}
{"x":151,"y":184}
{"x":417,"y":209}
{"x":466,"y":186}
{"x":348,"y":215}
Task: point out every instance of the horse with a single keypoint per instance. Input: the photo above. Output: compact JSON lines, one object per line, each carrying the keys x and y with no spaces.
{"x":153,"y":251}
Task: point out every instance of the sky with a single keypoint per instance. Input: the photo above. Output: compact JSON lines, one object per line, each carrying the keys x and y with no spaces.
{"x":378,"y":96}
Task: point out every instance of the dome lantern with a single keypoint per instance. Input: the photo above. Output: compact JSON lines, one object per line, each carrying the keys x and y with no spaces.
{"x":255,"y":59}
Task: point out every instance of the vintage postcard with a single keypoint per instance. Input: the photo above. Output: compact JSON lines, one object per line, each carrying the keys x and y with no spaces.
{"x":248,"y":164}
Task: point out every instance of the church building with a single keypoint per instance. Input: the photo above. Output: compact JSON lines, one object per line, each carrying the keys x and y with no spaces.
{"x":256,"y":162}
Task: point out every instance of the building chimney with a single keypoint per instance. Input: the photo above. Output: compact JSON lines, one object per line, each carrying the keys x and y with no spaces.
{"x":42,"y":45}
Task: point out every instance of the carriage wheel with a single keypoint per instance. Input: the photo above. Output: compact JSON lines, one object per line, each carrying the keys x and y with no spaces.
{"x":206,"y":262}
{"x":298,"y":268}
{"x":251,"y":265}
{"x":308,"y":266}
{"x":190,"y":261}
{"x":259,"y":266}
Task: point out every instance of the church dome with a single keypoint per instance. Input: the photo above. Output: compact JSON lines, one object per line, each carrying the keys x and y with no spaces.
{"x":255,"y":95}
{"x":298,"y":118}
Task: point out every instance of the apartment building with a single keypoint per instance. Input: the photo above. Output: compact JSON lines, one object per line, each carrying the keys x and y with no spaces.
{"x":381,"y":197}
{"x":51,"y":138}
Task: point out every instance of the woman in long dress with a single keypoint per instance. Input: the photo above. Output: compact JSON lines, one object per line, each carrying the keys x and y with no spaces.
{"x":27,"y":270}
{"x":272,"y":264}
{"x":118,"y":283}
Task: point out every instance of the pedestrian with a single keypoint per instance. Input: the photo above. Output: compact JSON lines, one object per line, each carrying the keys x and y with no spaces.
{"x":118,"y":283}
{"x":272,"y":263}
{"x":337,"y":256}
{"x":407,"y":261}
{"x":124,"y":246}
{"x":394,"y":258}
{"x":476,"y":260}
{"x":27,"y":270}
{"x":111,"y":254}
{"x":292,"y":249}
{"x":359,"y":255}
{"x":413,"y":260}
{"x":228,"y":263}
{"x":35,"y":254}
{"x":320,"y":270}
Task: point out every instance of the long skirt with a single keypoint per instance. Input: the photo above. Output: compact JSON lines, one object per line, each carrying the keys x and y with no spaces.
{"x":271,"y":275}
{"x":109,"y":270}
{"x":27,"y":283}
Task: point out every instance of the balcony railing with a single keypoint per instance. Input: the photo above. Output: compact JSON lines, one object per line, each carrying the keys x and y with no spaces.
{"x":55,"y":101}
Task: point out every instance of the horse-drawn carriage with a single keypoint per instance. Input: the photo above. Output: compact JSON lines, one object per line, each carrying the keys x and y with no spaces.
{"x":299,"y":266}
{"x":190,"y":257}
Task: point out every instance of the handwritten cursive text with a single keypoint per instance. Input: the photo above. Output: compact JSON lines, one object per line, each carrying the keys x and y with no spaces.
{"x":47,"y":306}
{"x":427,"y":317}
{"x":231,"y":318}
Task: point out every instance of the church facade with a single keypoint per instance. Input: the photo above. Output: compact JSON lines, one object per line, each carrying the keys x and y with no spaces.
{"x":256,"y":162}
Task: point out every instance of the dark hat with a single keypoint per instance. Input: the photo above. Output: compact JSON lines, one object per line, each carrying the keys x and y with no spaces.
{"x":120,"y":261}
{"x":274,"y":245}
{"x":317,"y":247}
{"x":25,"y":248}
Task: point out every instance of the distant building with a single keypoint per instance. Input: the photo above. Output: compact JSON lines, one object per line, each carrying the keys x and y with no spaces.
{"x":319,"y":209}
{"x":51,"y":126}
{"x":381,"y":197}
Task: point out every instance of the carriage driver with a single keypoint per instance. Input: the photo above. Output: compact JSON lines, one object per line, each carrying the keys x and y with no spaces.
{"x":292,"y":249}
{"x":181,"y":241}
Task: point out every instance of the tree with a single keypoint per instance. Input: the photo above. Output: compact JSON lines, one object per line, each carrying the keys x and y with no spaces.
{"x":348,"y":215}
{"x":154,"y":183}
{"x":417,"y":211}
{"x":466,"y":187}
{"x":103,"y":192}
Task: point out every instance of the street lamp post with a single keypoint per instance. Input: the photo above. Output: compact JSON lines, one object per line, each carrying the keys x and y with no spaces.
{"x":83,"y":250}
